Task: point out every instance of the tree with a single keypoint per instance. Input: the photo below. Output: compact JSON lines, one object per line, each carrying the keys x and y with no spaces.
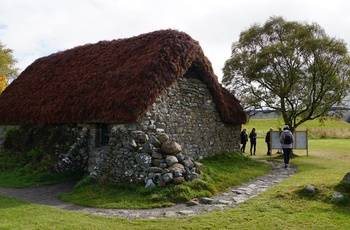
{"x":291,"y":67}
{"x":8,"y":71}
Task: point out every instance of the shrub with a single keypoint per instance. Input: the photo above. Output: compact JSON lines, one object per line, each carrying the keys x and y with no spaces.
{"x":40,"y":146}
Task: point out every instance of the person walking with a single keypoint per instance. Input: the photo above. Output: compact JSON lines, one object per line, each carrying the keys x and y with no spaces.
{"x":279,"y":150}
{"x":287,"y":140}
{"x":252,"y":137}
{"x":267,"y":140}
{"x":244,"y":139}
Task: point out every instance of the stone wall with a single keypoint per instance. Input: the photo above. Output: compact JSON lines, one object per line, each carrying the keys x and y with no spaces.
{"x":186,"y":113}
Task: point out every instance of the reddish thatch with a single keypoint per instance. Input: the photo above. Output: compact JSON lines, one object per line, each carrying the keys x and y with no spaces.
{"x":110,"y":81}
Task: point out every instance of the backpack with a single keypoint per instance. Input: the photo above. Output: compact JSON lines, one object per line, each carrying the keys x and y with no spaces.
{"x":287,"y":140}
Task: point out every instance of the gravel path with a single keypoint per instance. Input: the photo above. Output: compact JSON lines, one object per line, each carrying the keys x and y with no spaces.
{"x":48,"y":195}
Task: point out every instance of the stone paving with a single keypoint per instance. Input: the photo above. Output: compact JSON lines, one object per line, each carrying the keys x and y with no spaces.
{"x":48,"y":195}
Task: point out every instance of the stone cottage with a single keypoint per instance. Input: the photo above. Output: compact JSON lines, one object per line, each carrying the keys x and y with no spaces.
{"x":128,"y":97}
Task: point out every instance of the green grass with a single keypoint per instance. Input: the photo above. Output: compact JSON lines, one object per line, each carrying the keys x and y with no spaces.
{"x":331,"y":128}
{"x":284,"y":206}
{"x":17,"y":175}
{"x":24,"y":178}
{"x":280,"y":207}
{"x":219,"y":173}
{"x":232,"y":169}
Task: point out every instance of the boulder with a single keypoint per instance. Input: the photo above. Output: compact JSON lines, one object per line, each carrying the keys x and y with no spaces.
{"x":180,"y":157}
{"x":337,"y":195}
{"x":177,"y":166}
{"x":188,"y":163}
{"x":148,"y":148}
{"x":143,"y":159}
{"x":149,"y":184}
{"x":162,"y":137}
{"x":178,"y":180}
{"x":193,"y":202}
{"x":177,"y":173}
{"x":140,"y":136}
{"x":157,"y":162}
{"x":346,"y":179}
{"x":157,"y":155}
{"x":167,"y":177}
{"x":207,"y":200}
{"x":310,"y":188}
{"x":154,"y":141}
{"x":171,"y":147}
{"x":170,"y":160}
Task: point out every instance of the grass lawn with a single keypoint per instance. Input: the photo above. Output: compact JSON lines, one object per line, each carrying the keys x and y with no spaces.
{"x":332,"y":128}
{"x":219,"y":173}
{"x":284,"y":206}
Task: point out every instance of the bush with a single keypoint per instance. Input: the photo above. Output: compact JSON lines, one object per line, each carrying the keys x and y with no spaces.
{"x":14,"y":140}
{"x":40,"y":146}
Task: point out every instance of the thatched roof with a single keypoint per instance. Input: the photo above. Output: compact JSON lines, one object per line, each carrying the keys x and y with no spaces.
{"x":110,"y":81}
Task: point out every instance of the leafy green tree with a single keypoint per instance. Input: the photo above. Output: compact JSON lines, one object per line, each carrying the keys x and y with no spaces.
{"x":291,"y":67}
{"x":8,"y":71}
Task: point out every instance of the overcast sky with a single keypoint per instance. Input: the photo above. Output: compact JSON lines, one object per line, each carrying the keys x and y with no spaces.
{"x":37,"y":28}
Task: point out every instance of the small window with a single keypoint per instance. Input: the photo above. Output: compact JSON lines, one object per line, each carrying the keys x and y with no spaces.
{"x":104,"y":134}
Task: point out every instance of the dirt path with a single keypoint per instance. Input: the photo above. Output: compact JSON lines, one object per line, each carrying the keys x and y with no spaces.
{"x":49,"y":195}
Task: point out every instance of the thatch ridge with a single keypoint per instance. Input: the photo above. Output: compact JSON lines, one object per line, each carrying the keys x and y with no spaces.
{"x":110,"y":81}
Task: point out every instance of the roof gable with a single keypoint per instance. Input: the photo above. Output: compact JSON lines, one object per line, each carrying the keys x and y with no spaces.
{"x":110,"y":81}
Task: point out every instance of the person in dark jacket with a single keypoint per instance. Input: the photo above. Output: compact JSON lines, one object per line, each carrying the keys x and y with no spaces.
{"x":252,"y":137}
{"x":287,"y":140}
{"x":279,"y":150}
{"x":244,"y":139}
{"x":267,"y":140}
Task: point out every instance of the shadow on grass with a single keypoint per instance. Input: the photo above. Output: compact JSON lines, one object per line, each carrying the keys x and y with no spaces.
{"x":304,"y":193}
{"x":10,"y":202}
{"x":344,"y":189}
{"x":328,"y":196}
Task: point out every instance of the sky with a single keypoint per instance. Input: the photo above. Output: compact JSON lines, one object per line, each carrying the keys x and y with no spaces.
{"x":37,"y":28}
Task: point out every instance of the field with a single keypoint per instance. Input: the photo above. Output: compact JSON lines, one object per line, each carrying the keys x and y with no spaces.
{"x":331,"y":128}
{"x":284,"y":206}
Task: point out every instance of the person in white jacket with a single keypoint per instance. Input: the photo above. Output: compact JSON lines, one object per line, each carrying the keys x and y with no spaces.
{"x":287,"y":140}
